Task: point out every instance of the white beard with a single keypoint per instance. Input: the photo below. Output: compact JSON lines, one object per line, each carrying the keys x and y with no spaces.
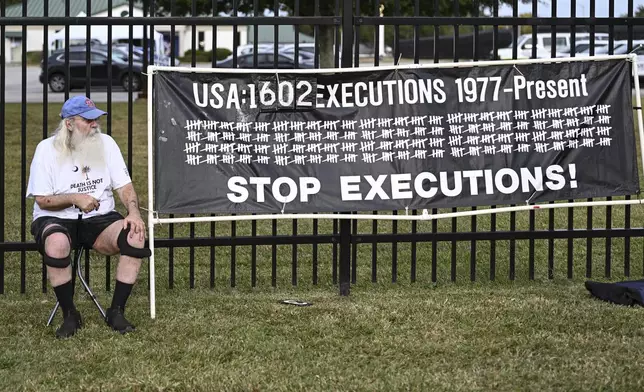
{"x":88,"y":150}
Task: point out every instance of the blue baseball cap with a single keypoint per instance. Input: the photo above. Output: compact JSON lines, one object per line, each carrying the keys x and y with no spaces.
{"x":81,"y":106}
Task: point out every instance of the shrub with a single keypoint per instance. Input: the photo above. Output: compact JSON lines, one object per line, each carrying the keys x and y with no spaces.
{"x":201,"y":56}
{"x":222,"y":53}
{"x":34,"y":58}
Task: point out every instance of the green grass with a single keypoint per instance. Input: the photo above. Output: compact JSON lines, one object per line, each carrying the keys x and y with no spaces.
{"x":532,"y":336}
{"x":503,"y":335}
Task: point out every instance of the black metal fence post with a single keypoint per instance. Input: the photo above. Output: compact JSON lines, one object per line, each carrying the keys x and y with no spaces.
{"x":345,"y":224}
{"x":345,"y":257}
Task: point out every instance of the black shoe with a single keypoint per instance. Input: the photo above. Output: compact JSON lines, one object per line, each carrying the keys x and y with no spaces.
{"x":71,"y":323}
{"x":115,"y":319}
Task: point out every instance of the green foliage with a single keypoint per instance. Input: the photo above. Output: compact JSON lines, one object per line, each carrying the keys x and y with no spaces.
{"x":306,"y":8}
{"x":222,"y":53}
{"x":203,"y":56}
{"x":34,"y":58}
{"x":525,"y":29}
{"x":405,"y":7}
{"x":640,"y":11}
{"x":200,"y":55}
{"x":367,"y":35}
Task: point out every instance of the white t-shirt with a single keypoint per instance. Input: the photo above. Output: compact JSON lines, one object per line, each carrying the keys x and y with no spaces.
{"x":49,"y":177}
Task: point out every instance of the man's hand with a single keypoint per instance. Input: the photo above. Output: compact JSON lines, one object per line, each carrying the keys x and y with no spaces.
{"x":137,"y":227}
{"x":86,"y":202}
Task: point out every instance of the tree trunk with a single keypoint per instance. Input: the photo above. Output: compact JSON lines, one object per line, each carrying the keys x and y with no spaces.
{"x":326,"y":42}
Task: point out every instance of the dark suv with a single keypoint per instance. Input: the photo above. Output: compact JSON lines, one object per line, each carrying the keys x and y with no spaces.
{"x":55,"y":75}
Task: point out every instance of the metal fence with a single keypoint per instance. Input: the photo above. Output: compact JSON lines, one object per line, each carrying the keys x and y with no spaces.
{"x":429,"y":29}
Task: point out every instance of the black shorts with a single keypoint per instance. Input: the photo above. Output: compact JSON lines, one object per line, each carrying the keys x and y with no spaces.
{"x":84,"y":235}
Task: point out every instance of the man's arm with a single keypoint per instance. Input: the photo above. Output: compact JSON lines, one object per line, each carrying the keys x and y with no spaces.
{"x":59,"y":202}
{"x":56,"y":202}
{"x":119,"y":175}
{"x":130,"y":200}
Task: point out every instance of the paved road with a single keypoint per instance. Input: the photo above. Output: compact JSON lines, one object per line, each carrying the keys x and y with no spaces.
{"x":13,"y":88}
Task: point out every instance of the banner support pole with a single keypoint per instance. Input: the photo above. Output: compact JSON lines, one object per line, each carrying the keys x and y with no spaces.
{"x":151,"y":222}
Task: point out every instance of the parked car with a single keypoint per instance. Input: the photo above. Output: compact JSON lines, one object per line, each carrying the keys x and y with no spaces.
{"x":544,"y":45}
{"x":55,"y":74}
{"x":137,"y":55}
{"x":621,"y":47}
{"x":264,"y":60}
{"x":302,"y":48}
{"x":305,"y":49}
{"x":584,"y":46}
{"x":249,"y":48}
{"x":119,"y":53}
{"x":305,"y":56}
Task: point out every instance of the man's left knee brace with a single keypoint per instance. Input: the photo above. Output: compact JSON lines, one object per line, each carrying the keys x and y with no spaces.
{"x":128,"y":250}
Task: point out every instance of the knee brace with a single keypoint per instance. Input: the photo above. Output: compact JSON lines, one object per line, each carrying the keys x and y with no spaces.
{"x":53,"y":261}
{"x":127,"y":249}
{"x":63,"y":262}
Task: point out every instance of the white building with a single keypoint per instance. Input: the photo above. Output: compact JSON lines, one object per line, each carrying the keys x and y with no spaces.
{"x":204,"y":37}
{"x":14,"y":41}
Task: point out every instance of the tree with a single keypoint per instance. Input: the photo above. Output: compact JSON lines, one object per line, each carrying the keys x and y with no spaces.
{"x":640,"y":11}
{"x":525,"y":29}
{"x":327,"y":8}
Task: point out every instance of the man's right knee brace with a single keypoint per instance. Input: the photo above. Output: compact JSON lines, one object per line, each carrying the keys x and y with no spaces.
{"x":53,"y":261}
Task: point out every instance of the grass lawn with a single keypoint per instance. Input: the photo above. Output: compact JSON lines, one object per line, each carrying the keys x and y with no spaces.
{"x":489,"y":336}
{"x":502,"y":335}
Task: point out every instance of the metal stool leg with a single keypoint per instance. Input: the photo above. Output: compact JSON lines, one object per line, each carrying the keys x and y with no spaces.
{"x":53,"y":313}
{"x":79,"y":271}
{"x":89,"y":291}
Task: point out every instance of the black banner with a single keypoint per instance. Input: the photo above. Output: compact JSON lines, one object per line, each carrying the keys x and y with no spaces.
{"x":392,"y":139}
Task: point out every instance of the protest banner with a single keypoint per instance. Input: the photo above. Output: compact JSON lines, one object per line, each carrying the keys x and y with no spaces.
{"x":316,"y":141}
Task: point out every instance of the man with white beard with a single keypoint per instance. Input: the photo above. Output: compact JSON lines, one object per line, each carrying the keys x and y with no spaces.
{"x":74,"y":172}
